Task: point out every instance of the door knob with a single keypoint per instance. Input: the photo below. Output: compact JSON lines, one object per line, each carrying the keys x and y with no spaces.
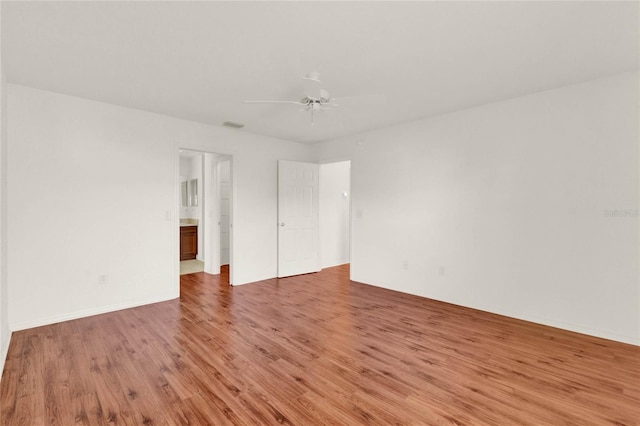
{"x":281,"y":223}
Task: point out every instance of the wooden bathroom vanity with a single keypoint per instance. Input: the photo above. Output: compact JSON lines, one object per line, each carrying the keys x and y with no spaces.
{"x":188,"y":242}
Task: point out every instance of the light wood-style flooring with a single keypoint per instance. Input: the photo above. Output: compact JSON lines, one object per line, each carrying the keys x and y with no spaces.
{"x":313,"y":350}
{"x":191,"y":266}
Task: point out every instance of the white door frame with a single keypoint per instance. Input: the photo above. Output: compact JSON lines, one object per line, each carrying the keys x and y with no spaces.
{"x":211,"y":212}
{"x":203,"y":191}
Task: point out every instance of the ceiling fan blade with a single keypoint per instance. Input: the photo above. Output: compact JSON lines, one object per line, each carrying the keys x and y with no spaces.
{"x":312,"y":88}
{"x":273,"y":102}
{"x":360,"y":100}
{"x":317,"y":99}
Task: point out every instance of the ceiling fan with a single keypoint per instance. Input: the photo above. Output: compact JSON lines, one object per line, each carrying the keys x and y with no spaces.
{"x":315,"y":100}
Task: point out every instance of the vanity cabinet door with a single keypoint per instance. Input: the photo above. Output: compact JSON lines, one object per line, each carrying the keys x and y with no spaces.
{"x":188,"y":242}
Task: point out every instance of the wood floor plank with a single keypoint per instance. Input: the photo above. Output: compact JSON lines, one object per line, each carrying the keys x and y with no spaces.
{"x":313,"y":349}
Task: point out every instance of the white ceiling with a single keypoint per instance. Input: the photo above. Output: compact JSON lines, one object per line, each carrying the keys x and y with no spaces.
{"x":200,"y":60}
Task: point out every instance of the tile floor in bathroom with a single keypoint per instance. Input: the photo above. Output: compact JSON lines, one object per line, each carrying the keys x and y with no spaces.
{"x":191,"y":266}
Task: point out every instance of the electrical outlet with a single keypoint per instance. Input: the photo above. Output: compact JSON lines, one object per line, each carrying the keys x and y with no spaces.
{"x":103,"y":279}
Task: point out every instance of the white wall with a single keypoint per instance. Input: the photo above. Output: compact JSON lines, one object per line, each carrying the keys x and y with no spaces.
{"x":92,"y":191}
{"x":210,"y":214}
{"x":335,"y":199}
{"x":225,"y":194}
{"x":197,"y":173}
{"x":5,"y":334}
{"x":500,"y":207}
{"x":508,"y":207}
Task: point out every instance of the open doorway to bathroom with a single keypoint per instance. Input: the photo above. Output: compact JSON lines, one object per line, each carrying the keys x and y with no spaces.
{"x":205,"y":203}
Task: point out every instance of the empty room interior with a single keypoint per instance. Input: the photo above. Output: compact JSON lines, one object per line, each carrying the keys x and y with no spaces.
{"x":329,"y":213}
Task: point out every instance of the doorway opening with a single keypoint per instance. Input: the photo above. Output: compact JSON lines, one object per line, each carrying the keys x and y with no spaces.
{"x":314,"y":216}
{"x":335,"y":213}
{"x":205,"y":212}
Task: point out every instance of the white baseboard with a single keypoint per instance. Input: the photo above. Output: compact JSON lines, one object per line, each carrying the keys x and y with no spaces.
{"x":331,"y":265}
{"x":37,"y":322}
{"x":576,"y":328}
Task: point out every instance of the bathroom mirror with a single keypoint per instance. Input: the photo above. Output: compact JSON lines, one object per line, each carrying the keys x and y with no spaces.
{"x":193,"y":192}
{"x":184,"y":194}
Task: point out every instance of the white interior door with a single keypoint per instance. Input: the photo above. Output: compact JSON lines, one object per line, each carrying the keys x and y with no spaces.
{"x":225,"y":209}
{"x":211,"y":208}
{"x":298,"y":226}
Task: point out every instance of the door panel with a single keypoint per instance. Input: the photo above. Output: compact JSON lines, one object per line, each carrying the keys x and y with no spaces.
{"x":225,"y":209}
{"x":211,"y":208}
{"x":298,"y":229}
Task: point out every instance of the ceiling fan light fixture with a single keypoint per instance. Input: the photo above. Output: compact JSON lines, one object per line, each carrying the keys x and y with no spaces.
{"x":318,"y":100}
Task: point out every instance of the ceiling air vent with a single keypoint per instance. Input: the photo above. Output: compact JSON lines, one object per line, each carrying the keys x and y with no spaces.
{"x":233,"y":125}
